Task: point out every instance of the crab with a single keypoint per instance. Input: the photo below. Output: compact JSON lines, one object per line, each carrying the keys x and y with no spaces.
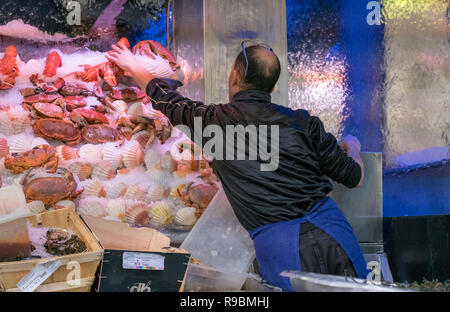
{"x":41,"y":97}
{"x":47,"y":110}
{"x":41,"y":155}
{"x":198,"y":196}
{"x":57,"y":129}
{"x":151,"y":47}
{"x":130,"y":94}
{"x":74,"y":90}
{"x":98,"y":134}
{"x":73,"y":102}
{"x":48,"y":187}
{"x":84,"y":116}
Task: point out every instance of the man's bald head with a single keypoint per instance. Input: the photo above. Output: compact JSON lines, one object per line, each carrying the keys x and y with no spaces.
{"x":263,"y":69}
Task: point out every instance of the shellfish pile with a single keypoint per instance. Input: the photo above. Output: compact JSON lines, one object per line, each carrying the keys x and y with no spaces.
{"x":74,"y":135}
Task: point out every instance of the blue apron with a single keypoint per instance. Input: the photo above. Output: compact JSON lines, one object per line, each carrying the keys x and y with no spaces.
{"x":277,"y":244}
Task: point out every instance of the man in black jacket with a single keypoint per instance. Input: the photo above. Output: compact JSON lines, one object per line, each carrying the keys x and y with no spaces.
{"x":284,"y":205}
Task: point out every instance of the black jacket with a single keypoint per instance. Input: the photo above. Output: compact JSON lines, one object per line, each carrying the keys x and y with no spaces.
{"x":308,"y":155}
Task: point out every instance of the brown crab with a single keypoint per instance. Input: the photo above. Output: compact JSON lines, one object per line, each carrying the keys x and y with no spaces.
{"x":41,"y":155}
{"x":57,"y":129}
{"x":198,"y":196}
{"x":84,"y":116}
{"x":101,"y":133}
{"x":130,"y":94}
{"x":47,"y":110}
{"x":49,"y":188}
{"x":41,"y":97}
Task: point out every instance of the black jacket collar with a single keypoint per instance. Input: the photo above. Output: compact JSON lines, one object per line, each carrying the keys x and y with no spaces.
{"x":252,"y":96}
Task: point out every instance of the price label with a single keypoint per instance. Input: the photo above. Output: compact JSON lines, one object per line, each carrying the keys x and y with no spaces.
{"x":142,"y":261}
{"x":38,"y":275}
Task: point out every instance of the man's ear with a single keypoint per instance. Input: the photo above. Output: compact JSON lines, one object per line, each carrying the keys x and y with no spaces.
{"x":235,"y":78}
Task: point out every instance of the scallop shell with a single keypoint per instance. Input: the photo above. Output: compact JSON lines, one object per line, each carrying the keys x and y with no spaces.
{"x":133,"y":155}
{"x":135,"y":192}
{"x":19,"y":143}
{"x":92,"y":207}
{"x":36,"y":207}
{"x":136,"y":109}
{"x":103,"y":171}
{"x":119,"y":106}
{"x":116,"y":190}
{"x":168,"y":163}
{"x":127,"y":132}
{"x":152,"y":159}
{"x":38,"y":141}
{"x":160,"y":213}
{"x":156,"y":192}
{"x":64,"y":204}
{"x":113,"y":155}
{"x":20,"y":123}
{"x":142,"y":137}
{"x":66,"y":152}
{"x":186,"y":216}
{"x":4,"y":148}
{"x":82,"y":169}
{"x":159,"y":176}
{"x":94,"y":188}
{"x":5,"y":123}
{"x":116,"y":208}
{"x":137,"y":214}
{"x":185,"y":154}
{"x":91,"y":152}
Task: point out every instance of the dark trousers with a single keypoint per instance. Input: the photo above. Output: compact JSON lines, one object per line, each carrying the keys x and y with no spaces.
{"x":320,"y":253}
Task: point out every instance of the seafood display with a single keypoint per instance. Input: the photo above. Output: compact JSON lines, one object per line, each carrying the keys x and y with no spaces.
{"x":74,"y":133}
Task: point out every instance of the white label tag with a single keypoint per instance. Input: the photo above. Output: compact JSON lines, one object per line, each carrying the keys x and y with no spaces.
{"x":38,"y":275}
{"x":142,"y":261}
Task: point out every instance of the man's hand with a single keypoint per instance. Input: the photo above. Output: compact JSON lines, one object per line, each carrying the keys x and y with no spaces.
{"x":123,"y":58}
{"x":350,"y":143}
{"x":352,"y":147}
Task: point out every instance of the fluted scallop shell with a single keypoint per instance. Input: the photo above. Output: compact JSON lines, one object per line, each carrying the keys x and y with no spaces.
{"x":91,"y":207}
{"x":168,"y":163}
{"x":36,"y":207}
{"x":20,"y":123}
{"x":64,"y":204}
{"x":94,"y":188}
{"x":119,"y":106}
{"x":19,"y":143}
{"x":82,"y":169}
{"x":152,"y":159}
{"x":103,"y":171}
{"x":127,"y":132}
{"x":91,"y":152}
{"x":116,"y":190}
{"x":5,"y":123}
{"x":142,"y":137}
{"x":156,"y":192}
{"x":38,"y":141}
{"x":113,"y":155}
{"x":136,"y":109}
{"x":135,"y":192}
{"x":159,"y":176}
{"x":137,"y":214}
{"x":66,"y":152}
{"x":160,"y":213}
{"x":116,"y":208}
{"x":4,"y":148}
{"x":133,"y":155}
{"x":186,"y":216}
